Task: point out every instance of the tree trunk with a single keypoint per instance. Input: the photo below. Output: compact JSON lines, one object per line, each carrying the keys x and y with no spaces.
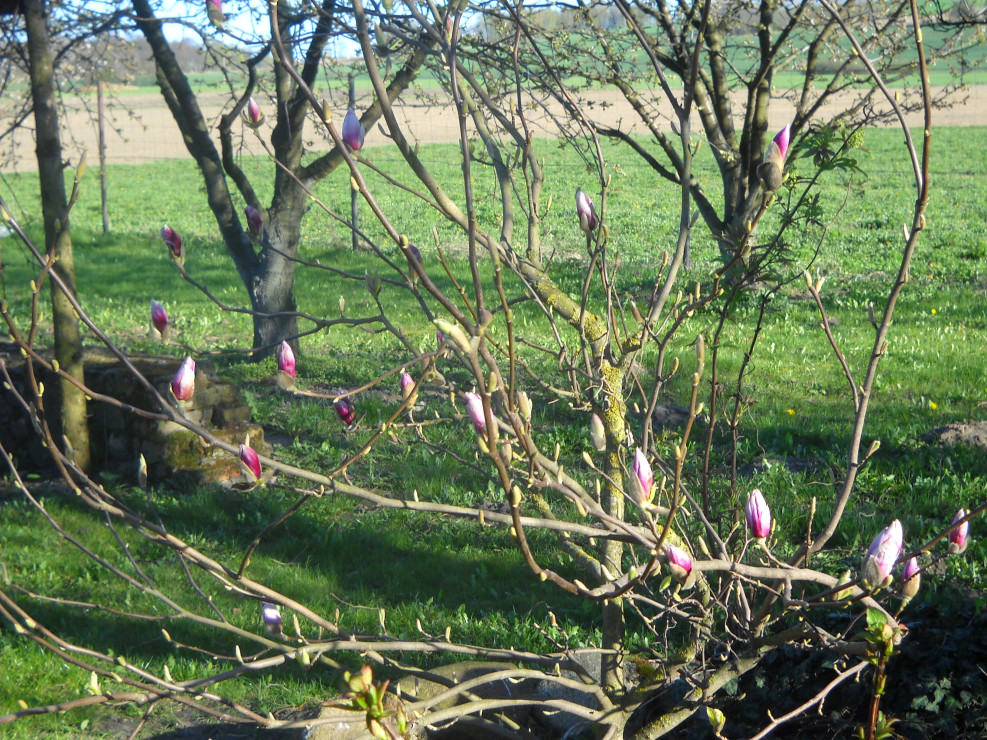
{"x":272,"y":289}
{"x":58,"y":242}
{"x":612,"y":551}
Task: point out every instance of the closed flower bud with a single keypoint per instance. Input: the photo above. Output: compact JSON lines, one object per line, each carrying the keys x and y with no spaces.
{"x":958,"y":537}
{"x":159,"y":320}
{"x":174,"y":242}
{"x":679,"y":562}
{"x":372,"y":282}
{"x":254,"y":220}
{"x":353,"y":131}
{"x":769,"y":172}
{"x":643,"y":479}
{"x":474,"y":409}
{"x":452,"y":332}
{"x":253,"y":115}
{"x":586,"y":211}
{"x":780,"y":144}
{"x":344,"y":410}
{"x":524,"y":406}
{"x":214,"y":9}
{"x":183,"y":386}
{"x":597,"y":434}
{"x":408,"y":388}
{"x":250,"y":461}
{"x":911,"y":579}
{"x":142,"y":472}
{"x":272,"y":619}
{"x":758,"y":515}
{"x":875,"y":572}
{"x":286,"y":359}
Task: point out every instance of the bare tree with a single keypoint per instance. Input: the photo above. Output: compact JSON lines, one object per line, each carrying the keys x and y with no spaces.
{"x":656,"y":537}
{"x":731,"y":64}
{"x":266,"y":261}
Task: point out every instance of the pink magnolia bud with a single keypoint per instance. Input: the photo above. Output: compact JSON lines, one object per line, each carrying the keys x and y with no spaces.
{"x":679,"y":562}
{"x":159,"y":318}
{"x":286,"y":359}
{"x":415,"y":252}
{"x":248,"y":456}
{"x":254,"y":220}
{"x":875,"y":572}
{"x":408,"y":387}
{"x":344,"y":410}
{"x":781,"y":141}
{"x":586,"y":211}
{"x":183,"y":386}
{"x":173,"y":240}
{"x":253,"y":112}
{"x":353,"y":131}
{"x":770,"y":171}
{"x":958,"y":537}
{"x":911,"y":579}
{"x":272,"y":619}
{"x":758,"y":515}
{"x":214,"y":9}
{"x":643,"y":479}
{"x":474,"y":409}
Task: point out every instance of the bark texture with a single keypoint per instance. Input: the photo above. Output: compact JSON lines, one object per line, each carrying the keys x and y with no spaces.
{"x":58,"y":242}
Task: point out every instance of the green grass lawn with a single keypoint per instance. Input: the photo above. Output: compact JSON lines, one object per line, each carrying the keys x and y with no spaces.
{"x":337,"y":554}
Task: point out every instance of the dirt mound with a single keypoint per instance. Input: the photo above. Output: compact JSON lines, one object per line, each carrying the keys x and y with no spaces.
{"x":971,"y":433}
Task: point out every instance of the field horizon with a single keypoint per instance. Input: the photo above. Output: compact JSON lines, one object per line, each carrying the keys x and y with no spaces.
{"x":141,"y":129}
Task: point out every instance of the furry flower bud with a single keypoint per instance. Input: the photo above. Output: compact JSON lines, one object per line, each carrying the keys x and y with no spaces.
{"x":253,"y":113}
{"x":911,"y":579}
{"x":586,"y":212}
{"x":286,"y":359}
{"x":770,"y":171}
{"x":254,"y":220}
{"x":344,"y":410}
{"x":174,"y":242}
{"x":958,"y":537}
{"x":758,"y":515}
{"x":272,"y":619}
{"x":474,"y":409}
{"x":353,"y":131}
{"x":183,"y":386}
{"x":159,"y":320}
{"x":643,"y":479}
{"x":679,"y":562}
{"x":875,"y":572}
{"x":214,"y":9}
{"x":250,"y":461}
{"x":408,"y":388}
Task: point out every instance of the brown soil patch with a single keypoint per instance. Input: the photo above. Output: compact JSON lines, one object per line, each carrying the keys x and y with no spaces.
{"x":139,"y":128}
{"x":971,"y":433}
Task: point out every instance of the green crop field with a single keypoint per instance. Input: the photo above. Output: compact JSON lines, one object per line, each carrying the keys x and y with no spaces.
{"x":336,"y":554}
